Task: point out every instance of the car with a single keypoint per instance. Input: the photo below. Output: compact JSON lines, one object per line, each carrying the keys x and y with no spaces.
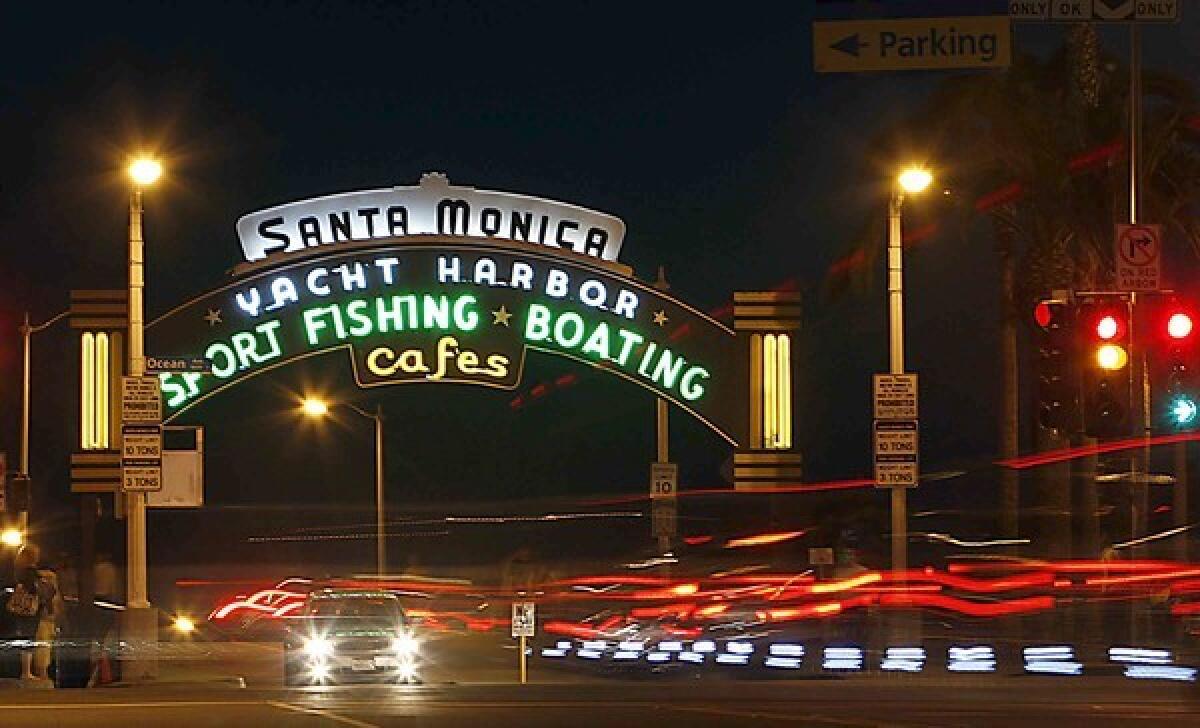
{"x":350,"y":636}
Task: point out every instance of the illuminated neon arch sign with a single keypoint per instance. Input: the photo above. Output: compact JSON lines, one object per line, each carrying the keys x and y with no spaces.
{"x":459,"y":294}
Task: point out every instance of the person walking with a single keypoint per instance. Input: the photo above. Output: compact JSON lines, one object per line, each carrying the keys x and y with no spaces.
{"x":46,"y":633}
{"x":27,"y":603}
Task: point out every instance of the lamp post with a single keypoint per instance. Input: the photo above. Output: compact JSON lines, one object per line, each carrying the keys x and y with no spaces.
{"x":27,"y":331}
{"x":319,"y":408}
{"x":143,"y":172}
{"x":912,"y":180}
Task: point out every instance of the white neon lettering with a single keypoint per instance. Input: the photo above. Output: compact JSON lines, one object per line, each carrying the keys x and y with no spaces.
{"x":388,"y":266}
{"x":522,"y":276}
{"x":283,"y":292}
{"x":556,"y":283}
{"x":314,"y":276}
{"x":352,"y":280}
{"x":249,"y":304}
{"x":627,"y":303}
{"x":485,"y":271}
{"x":449,"y":269}
{"x":593,"y":293}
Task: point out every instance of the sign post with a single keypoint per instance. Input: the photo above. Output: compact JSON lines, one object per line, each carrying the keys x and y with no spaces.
{"x":524,"y":625}
{"x":664,"y":484}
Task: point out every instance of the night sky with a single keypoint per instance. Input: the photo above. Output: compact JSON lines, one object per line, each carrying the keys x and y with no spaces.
{"x":702,"y":126}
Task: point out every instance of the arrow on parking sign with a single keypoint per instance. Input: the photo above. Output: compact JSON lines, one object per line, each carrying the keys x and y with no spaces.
{"x":850,"y":45}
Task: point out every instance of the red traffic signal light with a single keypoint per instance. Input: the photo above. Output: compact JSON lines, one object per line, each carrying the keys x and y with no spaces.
{"x":1109,"y":327}
{"x":1179,"y":325}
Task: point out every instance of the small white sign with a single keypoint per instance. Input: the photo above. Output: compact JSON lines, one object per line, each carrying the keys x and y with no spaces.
{"x":664,"y":480}
{"x":896,"y":453}
{"x":141,"y":444}
{"x":524,"y":619}
{"x":1137,"y":255}
{"x":141,"y":478}
{"x":141,"y":400}
{"x":895,"y":396}
{"x":820,"y":556}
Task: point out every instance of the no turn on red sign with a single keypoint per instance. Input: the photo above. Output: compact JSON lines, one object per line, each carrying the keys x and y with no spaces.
{"x":1137,"y":257}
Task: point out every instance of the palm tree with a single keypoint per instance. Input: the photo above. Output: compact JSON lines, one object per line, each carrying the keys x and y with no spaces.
{"x":1047,"y":167}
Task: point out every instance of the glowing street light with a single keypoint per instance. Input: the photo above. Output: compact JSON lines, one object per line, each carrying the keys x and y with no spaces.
{"x":145,"y":171}
{"x":12,"y":537}
{"x":184,"y":625}
{"x":316,"y":408}
{"x":915,"y":179}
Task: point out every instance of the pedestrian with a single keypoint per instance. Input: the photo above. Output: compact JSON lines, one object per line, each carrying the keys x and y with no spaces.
{"x":46,"y":633}
{"x":26,"y":605}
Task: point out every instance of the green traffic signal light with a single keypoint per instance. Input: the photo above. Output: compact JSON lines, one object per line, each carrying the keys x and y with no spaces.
{"x":1183,"y":410}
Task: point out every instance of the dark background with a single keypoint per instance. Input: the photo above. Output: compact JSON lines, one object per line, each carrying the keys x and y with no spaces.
{"x":701,"y":125}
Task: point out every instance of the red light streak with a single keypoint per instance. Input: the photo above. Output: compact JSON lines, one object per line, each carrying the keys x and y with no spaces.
{"x":1071,"y":453}
{"x":1024,"y":605}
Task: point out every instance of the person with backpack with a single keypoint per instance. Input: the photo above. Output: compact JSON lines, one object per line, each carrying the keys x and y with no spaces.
{"x":31,"y":600}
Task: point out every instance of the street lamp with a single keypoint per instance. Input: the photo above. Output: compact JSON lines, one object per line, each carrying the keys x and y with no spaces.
{"x":143,"y":172}
{"x":313,"y":407}
{"x":12,"y":537}
{"x":912,"y":180}
{"x":28,"y":330}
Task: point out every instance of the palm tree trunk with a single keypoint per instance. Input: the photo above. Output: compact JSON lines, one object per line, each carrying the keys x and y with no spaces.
{"x":1010,"y":494}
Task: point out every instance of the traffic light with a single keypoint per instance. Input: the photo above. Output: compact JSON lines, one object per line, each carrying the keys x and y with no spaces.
{"x":1104,"y":361}
{"x":1057,"y":385}
{"x":1176,"y":328}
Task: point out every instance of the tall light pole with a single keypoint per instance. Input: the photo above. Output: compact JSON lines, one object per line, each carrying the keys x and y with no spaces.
{"x":912,"y":180}
{"x":319,"y":408}
{"x":27,"y":331}
{"x":143,"y":172}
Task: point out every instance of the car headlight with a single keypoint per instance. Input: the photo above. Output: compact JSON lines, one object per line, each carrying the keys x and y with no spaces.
{"x":318,"y":647}
{"x":405,"y":645}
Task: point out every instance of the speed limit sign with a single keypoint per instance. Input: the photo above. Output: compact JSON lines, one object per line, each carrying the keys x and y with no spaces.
{"x":664,"y":480}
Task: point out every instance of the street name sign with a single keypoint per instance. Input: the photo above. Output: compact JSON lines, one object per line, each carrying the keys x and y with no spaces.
{"x":524,"y":621}
{"x":896,"y":453}
{"x":170,"y":364}
{"x":664,"y":480}
{"x":895,"y":396}
{"x":912,"y":44}
{"x":1111,"y":11}
{"x":1137,"y":256}
{"x":141,"y":400}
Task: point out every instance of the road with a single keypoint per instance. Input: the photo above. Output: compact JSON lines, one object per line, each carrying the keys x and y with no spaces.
{"x":1048,"y":702}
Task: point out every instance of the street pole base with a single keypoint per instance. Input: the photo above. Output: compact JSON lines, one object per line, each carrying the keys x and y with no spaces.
{"x":138,"y":652}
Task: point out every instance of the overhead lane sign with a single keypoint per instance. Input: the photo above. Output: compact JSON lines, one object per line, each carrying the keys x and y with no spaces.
{"x":912,"y":44}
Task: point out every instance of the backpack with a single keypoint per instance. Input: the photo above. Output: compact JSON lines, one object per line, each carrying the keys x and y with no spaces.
{"x":23,"y":603}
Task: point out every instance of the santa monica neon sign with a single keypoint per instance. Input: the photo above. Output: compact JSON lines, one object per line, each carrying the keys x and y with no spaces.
{"x":451,"y":309}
